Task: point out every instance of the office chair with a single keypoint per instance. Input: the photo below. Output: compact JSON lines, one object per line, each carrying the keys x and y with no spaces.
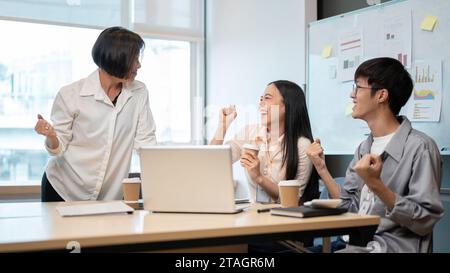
{"x":324,"y":192}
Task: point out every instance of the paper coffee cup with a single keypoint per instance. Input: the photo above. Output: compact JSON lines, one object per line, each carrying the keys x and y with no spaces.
{"x":131,"y":189}
{"x":133,"y":204}
{"x":253,"y":148}
{"x":289,"y":190}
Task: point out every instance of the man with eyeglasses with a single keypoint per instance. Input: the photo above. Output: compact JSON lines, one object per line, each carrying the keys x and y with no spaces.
{"x":396,"y":172}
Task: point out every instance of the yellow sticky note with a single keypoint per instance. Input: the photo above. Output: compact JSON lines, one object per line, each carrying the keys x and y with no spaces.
{"x":326,"y":52}
{"x":429,"y":22}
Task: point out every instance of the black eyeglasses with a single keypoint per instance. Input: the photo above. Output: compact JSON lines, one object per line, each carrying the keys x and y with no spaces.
{"x":356,"y":87}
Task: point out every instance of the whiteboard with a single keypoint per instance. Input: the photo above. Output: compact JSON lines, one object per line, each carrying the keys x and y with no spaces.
{"x":328,"y":96}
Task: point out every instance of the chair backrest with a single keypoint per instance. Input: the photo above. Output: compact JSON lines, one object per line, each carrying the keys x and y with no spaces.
{"x":324,"y":193}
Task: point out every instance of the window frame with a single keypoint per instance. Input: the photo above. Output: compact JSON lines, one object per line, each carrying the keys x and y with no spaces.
{"x":197,"y":82}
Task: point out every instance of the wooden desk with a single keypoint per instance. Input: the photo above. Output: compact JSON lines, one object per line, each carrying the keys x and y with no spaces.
{"x":38,"y":227}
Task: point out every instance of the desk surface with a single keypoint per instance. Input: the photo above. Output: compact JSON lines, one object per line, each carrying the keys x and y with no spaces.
{"x":38,"y":226}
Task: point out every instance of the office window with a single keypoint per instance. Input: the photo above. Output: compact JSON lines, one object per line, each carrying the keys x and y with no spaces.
{"x":36,"y":60}
{"x":166,"y":73}
{"x":169,"y":17}
{"x":101,"y":13}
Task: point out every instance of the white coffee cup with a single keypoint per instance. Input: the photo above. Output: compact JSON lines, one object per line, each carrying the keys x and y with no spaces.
{"x":252,"y":148}
{"x":289,"y":190}
{"x":131,"y":189}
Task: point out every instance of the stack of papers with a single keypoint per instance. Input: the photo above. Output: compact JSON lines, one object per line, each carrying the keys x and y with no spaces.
{"x":94,"y":209}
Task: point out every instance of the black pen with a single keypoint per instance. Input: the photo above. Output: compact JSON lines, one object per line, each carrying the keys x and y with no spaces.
{"x":263,"y":210}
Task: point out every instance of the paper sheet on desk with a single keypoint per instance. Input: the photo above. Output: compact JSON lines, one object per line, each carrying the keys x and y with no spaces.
{"x":94,"y":209}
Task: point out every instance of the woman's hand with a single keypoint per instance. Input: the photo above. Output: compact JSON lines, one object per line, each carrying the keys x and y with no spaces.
{"x":227,"y":116}
{"x":316,"y":155}
{"x":252,"y":164}
{"x":44,"y":128}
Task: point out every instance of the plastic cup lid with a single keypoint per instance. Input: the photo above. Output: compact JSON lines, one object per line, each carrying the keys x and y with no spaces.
{"x":289,"y":183}
{"x":132,"y":180}
{"x":250,"y":147}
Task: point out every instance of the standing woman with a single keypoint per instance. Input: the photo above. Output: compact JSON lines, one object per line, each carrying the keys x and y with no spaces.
{"x":97,"y":121}
{"x":282,"y":138}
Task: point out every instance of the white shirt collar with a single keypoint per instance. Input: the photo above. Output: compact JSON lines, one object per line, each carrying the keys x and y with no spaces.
{"x":92,"y":86}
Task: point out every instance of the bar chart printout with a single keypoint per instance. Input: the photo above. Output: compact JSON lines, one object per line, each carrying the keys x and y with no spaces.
{"x":426,"y":100}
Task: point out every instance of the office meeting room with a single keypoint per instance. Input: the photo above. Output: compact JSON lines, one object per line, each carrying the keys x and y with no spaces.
{"x":259,"y":130}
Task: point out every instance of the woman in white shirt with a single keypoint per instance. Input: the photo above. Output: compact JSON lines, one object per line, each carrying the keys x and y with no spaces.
{"x":282,"y":139}
{"x":97,"y":121}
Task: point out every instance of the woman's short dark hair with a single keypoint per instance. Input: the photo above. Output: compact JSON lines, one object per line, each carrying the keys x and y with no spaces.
{"x":389,"y":74}
{"x":116,"y":50}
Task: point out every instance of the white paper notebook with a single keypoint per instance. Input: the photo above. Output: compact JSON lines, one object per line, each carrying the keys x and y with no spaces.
{"x":324,"y":203}
{"x":94,"y":209}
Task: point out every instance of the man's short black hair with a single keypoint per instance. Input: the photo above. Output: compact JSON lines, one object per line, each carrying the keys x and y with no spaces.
{"x":389,"y":74}
{"x":116,"y":50}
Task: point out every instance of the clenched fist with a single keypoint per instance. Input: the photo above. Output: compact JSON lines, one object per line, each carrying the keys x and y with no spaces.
{"x":369,"y":169}
{"x":44,"y":128}
{"x":316,"y":155}
{"x":227,"y":116}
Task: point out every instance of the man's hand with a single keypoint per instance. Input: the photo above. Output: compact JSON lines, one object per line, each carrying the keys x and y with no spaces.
{"x":369,"y":169}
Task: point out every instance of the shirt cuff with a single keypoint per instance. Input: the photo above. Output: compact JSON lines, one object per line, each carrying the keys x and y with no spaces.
{"x":55,"y":151}
{"x":389,"y":212}
{"x":401,"y":212}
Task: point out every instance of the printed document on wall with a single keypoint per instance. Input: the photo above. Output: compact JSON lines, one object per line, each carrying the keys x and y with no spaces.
{"x":426,"y":100}
{"x":396,"y":37}
{"x":350,"y":54}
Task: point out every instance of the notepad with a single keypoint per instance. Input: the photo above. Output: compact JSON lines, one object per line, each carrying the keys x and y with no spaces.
{"x":304,"y":212}
{"x":94,"y":209}
{"x":323,"y":203}
{"x":326,"y":52}
{"x":428,"y":23}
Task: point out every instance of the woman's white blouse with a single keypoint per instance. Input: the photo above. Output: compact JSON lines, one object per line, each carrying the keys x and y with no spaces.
{"x":96,"y":138}
{"x":271,"y":159}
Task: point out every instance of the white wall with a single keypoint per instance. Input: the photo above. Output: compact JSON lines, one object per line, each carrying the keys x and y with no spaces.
{"x":250,"y":43}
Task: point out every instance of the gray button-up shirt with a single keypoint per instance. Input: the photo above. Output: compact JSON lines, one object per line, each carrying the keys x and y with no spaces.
{"x":412,"y":170}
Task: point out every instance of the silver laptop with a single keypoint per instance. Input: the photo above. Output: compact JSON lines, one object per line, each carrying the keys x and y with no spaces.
{"x":195,"y":179}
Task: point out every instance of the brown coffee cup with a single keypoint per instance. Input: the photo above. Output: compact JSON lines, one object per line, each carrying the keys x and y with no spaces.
{"x":131,"y":189}
{"x":289,"y":193}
